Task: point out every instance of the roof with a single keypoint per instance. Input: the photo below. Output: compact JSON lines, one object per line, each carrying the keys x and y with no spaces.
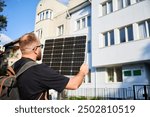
{"x":11,"y":43}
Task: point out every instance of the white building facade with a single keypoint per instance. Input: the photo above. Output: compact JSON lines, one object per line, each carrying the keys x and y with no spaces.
{"x":118,"y":39}
{"x":121,"y":42}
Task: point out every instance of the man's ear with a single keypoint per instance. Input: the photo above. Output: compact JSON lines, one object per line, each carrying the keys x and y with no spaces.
{"x":35,"y":50}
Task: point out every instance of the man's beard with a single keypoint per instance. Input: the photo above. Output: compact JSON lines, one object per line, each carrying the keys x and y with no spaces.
{"x":38,"y":56}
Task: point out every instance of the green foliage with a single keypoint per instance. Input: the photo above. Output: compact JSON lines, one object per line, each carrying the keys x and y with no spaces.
{"x":3,"y":19}
{"x":3,"y":65}
{"x":78,"y":98}
{"x":84,"y":98}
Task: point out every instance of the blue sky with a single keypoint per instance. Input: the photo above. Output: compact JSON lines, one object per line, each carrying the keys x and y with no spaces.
{"x":21,"y":16}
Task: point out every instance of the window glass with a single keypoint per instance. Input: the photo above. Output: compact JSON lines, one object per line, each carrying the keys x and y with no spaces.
{"x":60,"y":30}
{"x":122,"y":35}
{"x":142,"y":30}
{"x":112,"y":41}
{"x":106,"y":39}
{"x":110,"y":72}
{"x":130,"y":33}
{"x":110,"y":7}
{"x":119,"y":74}
{"x":120,"y":4}
{"x":78,"y":24}
{"x":104,"y":9}
{"x":127,"y":3}
{"x":137,"y":72}
{"x":83,"y":23}
{"x":127,"y":73}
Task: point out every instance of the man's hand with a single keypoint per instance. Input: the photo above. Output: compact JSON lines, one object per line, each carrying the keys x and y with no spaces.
{"x":75,"y":82}
{"x":84,"y":69}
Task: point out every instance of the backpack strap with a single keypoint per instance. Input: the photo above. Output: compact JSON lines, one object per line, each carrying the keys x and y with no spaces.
{"x":25,"y":67}
{"x":10,"y":70}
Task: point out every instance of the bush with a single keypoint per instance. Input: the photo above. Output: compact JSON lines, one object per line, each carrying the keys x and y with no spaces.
{"x":84,"y":98}
{"x":77,"y":98}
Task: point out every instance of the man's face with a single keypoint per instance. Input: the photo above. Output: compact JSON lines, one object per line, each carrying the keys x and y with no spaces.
{"x":39,"y":53}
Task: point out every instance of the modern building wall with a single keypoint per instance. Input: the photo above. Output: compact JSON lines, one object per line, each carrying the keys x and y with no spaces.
{"x":119,"y":42}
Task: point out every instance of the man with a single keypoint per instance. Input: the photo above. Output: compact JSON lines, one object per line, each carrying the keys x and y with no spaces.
{"x":40,"y":78}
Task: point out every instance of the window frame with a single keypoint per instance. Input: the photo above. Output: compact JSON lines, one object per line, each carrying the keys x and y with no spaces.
{"x":60,"y":30}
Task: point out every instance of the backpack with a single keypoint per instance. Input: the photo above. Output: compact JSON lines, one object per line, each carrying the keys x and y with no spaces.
{"x":8,"y":87}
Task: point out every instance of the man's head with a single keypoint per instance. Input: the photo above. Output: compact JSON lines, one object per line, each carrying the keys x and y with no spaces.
{"x":30,"y":46}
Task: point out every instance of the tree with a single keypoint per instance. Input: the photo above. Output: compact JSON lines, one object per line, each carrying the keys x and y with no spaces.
{"x":3,"y":19}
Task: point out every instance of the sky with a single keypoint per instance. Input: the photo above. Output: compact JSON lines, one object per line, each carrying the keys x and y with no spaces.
{"x":21,"y":17}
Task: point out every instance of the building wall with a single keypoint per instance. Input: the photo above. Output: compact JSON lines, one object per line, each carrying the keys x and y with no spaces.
{"x":124,"y":52}
{"x":2,"y":48}
{"x":48,"y":26}
{"x":74,"y":3}
{"x":73,"y":31}
{"x":130,"y":55}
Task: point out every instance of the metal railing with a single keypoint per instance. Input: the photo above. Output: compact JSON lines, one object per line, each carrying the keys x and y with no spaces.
{"x":141,"y":92}
{"x":98,"y":94}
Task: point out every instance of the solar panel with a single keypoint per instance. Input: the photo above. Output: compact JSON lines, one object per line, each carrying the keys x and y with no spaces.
{"x":65,"y":55}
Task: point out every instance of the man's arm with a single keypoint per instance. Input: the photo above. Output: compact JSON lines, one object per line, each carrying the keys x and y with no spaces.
{"x":77,"y":80}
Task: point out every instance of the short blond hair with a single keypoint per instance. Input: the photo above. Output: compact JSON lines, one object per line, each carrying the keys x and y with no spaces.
{"x":28,"y":40}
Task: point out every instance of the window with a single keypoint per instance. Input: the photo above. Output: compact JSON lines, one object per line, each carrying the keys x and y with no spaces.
{"x":46,"y":14}
{"x":110,"y":73}
{"x":123,"y":3}
{"x":39,"y":33}
{"x":110,"y":7}
{"x":130,"y":33}
{"x":104,"y":9}
{"x":60,"y":30}
{"x":119,"y":74}
{"x":78,"y":25}
{"x":83,"y":23}
{"x":120,"y":4}
{"x":107,"y":7}
{"x":142,"y":30}
{"x":137,"y":72}
{"x":127,"y":73}
{"x":109,"y":38}
{"x":127,"y":3}
{"x":114,"y":74}
{"x":126,"y":34}
{"x":112,"y":41}
{"x":106,"y":39}
{"x":41,"y":16}
{"x":122,"y":35}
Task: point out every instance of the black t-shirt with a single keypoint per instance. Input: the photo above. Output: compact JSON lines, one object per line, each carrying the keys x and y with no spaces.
{"x":37,"y":79}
